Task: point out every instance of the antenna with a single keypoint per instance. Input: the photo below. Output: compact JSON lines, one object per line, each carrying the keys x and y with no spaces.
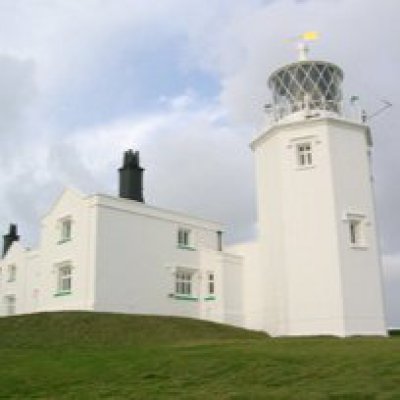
{"x":386,"y":105}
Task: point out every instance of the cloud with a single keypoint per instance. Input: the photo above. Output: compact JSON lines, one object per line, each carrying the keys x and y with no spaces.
{"x":72,"y":45}
{"x":250,"y":45}
{"x":189,"y":154}
{"x":392,"y":293}
{"x":17,"y":91}
{"x":80,"y":84}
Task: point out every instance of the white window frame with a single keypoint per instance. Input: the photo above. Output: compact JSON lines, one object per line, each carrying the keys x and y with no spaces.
{"x":65,"y":226}
{"x":185,"y":283}
{"x":356,"y":231}
{"x":10,"y":304}
{"x":11,"y":273}
{"x":211,"y":283}
{"x":304,"y":154}
{"x":185,"y":238}
{"x":64,"y":277}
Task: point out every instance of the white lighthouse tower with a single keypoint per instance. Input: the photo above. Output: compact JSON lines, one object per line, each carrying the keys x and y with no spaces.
{"x":319,"y":251}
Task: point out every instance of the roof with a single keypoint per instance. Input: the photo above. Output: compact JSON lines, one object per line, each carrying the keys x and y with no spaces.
{"x":135,"y":207}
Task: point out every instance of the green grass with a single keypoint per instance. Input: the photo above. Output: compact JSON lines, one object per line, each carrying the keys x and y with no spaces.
{"x":110,"y":356}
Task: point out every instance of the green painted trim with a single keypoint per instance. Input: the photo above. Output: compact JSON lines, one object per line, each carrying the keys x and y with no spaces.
{"x":179,"y":246}
{"x":209,"y":298}
{"x":64,"y":241}
{"x":62,"y":294}
{"x":183,"y":297}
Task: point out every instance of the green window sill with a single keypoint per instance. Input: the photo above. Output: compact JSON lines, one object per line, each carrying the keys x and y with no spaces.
{"x":62,"y":294}
{"x":209,"y":298}
{"x":185,"y":247}
{"x":183,"y":297}
{"x":64,"y":241}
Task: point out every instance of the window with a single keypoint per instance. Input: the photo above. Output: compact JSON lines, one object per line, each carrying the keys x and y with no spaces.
{"x":12,"y":273}
{"x":356,"y":236}
{"x":356,"y":229}
{"x":184,"y":238}
{"x":183,"y":283}
{"x":304,"y":154}
{"x":66,"y":230}
{"x":10,"y":304}
{"x":64,"y":278}
{"x":211,"y":283}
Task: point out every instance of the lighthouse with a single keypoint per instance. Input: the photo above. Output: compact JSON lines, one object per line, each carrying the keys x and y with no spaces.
{"x":318,"y":247}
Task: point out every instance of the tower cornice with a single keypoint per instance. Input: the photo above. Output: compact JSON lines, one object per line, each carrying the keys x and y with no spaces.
{"x":273,"y":129}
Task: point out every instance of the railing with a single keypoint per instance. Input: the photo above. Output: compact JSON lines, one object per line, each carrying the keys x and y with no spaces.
{"x":314,"y":109}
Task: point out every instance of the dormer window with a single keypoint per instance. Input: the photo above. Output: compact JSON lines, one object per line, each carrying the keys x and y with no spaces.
{"x":65,"y":230}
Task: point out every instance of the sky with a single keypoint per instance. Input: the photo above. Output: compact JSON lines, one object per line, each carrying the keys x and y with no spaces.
{"x":183,"y":82}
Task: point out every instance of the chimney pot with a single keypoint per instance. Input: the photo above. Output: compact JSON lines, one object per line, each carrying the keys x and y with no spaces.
{"x":131,"y":177}
{"x":11,"y":237}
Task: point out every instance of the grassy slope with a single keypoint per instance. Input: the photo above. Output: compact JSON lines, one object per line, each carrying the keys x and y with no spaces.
{"x":92,"y":356}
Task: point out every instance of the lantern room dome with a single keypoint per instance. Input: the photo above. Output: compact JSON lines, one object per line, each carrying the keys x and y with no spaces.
{"x":306,"y":86}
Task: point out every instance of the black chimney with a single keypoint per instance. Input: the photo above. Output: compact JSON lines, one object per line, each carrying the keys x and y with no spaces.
{"x":131,"y":177}
{"x":10,"y":238}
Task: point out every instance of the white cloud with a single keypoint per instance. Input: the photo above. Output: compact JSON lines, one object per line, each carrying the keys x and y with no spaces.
{"x":194,"y":149}
{"x":190,"y":156}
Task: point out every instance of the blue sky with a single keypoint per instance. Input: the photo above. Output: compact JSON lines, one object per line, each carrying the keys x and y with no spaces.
{"x":129,"y":80}
{"x":185,"y":83}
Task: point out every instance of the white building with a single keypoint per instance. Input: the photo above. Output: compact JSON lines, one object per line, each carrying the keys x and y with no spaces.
{"x":105,"y":253}
{"x":314,"y":269}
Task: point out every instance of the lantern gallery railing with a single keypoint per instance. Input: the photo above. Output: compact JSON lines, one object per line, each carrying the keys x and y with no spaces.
{"x":306,"y":85}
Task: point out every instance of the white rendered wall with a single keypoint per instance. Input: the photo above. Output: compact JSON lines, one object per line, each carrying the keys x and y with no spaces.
{"x":137,"y":257}
{"x":212,"y":307}
{"x":309,"y":283}
{"x":252,"y":283}
{"x":232,"y":283}
{"x":25,"y":286}
{"x":124,"y":256}
{"x":78,"y":251}
{"x":361,"y":265}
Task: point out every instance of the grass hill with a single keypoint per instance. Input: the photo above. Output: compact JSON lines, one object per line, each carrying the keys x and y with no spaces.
{"x":78,"y":355}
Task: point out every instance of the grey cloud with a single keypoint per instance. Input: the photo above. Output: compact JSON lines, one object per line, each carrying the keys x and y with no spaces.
{"x":201,"y":167}
{"x":392,"y":292}
{"x":17,"y":92}
{"x":67,"y":168}
{"x":17,"y":89}
{"x":204,"y":170}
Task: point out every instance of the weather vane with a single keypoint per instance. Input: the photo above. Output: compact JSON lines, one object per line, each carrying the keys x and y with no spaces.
{"x":302,"y":43}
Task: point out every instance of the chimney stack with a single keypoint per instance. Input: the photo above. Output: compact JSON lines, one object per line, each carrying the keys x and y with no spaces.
{"x":131,"y":177}
{"x":11,"y":237}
